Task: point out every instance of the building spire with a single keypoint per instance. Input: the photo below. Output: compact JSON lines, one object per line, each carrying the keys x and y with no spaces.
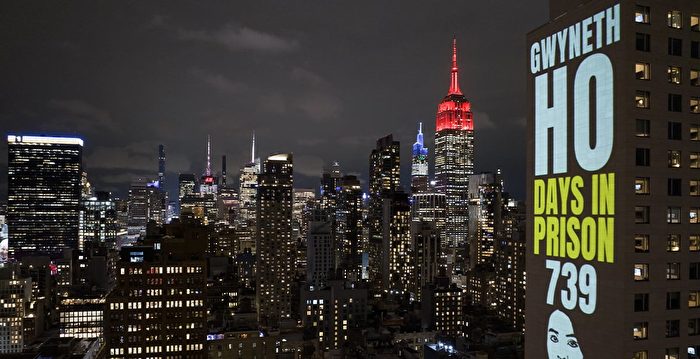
{"x":252,"y":153}
{"x":454,"y":75}
{"x":208,"y":172}
{"x":419,"y":137}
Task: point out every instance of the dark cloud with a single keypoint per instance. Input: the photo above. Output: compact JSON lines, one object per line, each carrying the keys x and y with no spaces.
{"x":240,"y":38}
{"x":321,"y":79}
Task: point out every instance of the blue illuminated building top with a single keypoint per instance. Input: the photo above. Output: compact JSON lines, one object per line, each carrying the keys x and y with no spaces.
{"x":418,"y":149}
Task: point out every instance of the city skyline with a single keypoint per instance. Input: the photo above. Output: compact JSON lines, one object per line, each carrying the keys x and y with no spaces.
{"x":308,"y":84}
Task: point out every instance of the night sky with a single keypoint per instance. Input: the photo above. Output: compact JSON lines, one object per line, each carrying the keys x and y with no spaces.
{"x":321,"y":79}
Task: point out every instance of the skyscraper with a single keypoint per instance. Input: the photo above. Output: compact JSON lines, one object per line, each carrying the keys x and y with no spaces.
{"x":248,"y":194}
{"x":44,"y":190}
{"x":161,"y":166}
{"x":612,"y":164}
{"x":454,"y":155}
{"x":419,"y":164}
{"x":348,"y":228}
{"x":98,"y":220}
{"x":384,"y":181}
{"x":274,"y":242}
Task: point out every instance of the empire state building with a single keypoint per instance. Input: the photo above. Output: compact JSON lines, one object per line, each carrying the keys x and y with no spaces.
{"x":454,"y":156}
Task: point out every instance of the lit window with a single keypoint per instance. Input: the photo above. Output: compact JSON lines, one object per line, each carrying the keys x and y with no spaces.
{"x":641,"y":185}
{"x":674,"y":158}
{"x":693,"y":215}
{"x":695,"y":132}
{"x":694,"y":189}
{"x":641,"y":272}
{"x":675,"y":19}
{"x":695,"y":104}
{"x":641,"y":243}
{"x":695,"y":22}
{"x":642,"y":99}
{"x":694,"y":299}
{"x":673,"y":271}
{"x":694,"y":243}
{"x":694,"y":74}
{"x":641,"y":14}
{"x":694,"y":160}
{"x":672,"y":353}
{"x":641,"y":70}
{"x":673,"y":215}
{"x":640,"y":330}
{"x":674,"y":74}
{"x":673,"y":243}
{"x":643,"y":354}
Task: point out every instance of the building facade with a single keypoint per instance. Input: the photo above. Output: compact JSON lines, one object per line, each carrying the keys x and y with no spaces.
{"x":454,"y":155}
{"x":44,"y":190}
{"x":612,"y":185}
{"x":275,"y":246}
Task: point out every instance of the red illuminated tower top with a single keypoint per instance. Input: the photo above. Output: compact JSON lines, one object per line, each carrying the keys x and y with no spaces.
{"x":454,"y":112}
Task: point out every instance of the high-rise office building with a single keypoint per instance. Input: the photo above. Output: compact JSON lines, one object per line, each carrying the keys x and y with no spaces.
{"x":443,"y":308}
{"x":157,"y":308}
{"x":509,"y":265}
{"x":486,"y":215}
{"x":187,"y":184}
{"x":44,"y":191}
{"x":15,"y":294}
{"x":161,"y":166}
{"x":275,"y":246}
{"x":348,"y":228}
{"x":248,"y":194}
{"x":320,"y":253}
{"x":426,"y":255}
{"x":612,"y":207}
{"x":98,"y":220}
{"x":397,"y":253}
{"x":145,"y":204}
{"x":223,"y":171}
{"x":384,"y":181}
{"x":454,"y":155}
{"x":419,"y":164}
{"x":332,"y":312}
{"x":330,"y":186}
{"x":304,"y":200}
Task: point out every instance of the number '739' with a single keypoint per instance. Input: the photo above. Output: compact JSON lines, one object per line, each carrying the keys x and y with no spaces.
{"x":580,"y":289}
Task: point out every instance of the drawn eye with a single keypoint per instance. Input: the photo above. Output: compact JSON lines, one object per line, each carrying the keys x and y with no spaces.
{"x":572,"y":343}
{"x":554,"y":338}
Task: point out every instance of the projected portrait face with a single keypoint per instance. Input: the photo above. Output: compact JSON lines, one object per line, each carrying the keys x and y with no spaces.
{"x":561,"y":339}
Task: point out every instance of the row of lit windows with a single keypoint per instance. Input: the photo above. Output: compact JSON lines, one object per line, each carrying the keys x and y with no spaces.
{"x":643,"y":158}
{"x":643,"y":129}
{"x":673,"y":215}
{"x":642,"y":71}
{"x":674,"y":18}
{"x":640,"y":330}
{"x":642,"y":100}
{"x":673,"y":272}
{"x":673,"y":243}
